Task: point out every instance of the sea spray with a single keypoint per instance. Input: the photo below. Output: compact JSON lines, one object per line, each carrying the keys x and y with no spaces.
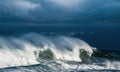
{"x":20,"y":51}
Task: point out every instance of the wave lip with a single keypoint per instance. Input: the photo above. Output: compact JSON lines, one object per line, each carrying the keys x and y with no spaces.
{"x":31,"y":48}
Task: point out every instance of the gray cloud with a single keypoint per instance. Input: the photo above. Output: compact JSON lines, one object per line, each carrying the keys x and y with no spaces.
{"x":60,"y":10}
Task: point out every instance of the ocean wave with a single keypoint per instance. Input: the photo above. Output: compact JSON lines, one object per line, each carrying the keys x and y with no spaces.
{"x":33,"y":48}
{"x":53,"y":53}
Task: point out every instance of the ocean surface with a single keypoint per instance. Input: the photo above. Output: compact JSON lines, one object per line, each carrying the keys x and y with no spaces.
{"x":59,"y":49}
{"x":50,"y":52}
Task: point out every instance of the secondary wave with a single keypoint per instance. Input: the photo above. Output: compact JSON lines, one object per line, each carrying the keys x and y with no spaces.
{"x":34,"y":48}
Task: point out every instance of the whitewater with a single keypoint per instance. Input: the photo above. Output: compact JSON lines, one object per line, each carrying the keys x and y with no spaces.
{"x":36,"y":52}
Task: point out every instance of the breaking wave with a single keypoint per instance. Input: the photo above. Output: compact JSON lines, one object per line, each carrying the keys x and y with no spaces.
{"x":34,"y":48}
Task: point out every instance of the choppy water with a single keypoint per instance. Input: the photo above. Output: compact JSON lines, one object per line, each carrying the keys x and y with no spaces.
{"x":34,"y":52}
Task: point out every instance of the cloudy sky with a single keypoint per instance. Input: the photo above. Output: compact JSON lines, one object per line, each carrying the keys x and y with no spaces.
{"x":79,"y":11}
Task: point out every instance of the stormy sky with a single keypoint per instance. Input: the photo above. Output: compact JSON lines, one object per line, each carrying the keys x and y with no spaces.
{"x":50,"y":11}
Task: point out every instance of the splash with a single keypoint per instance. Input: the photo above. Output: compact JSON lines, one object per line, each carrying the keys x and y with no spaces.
{"x":29,"y":49}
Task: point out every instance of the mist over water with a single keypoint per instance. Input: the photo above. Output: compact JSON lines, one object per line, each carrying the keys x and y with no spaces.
{"x":22,"y":49}
{"x":41,"y":51}
{"x":102,"y":37}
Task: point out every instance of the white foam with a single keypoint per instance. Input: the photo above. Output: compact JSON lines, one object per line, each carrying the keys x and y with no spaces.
{"x":107,"y":65}
{"x":20,"y":51}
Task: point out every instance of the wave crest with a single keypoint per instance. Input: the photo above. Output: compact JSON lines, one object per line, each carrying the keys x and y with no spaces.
{"x":17,"y":51}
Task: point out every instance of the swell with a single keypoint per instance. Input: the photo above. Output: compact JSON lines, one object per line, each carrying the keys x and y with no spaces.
{"x":106,"y":54}
{"x":34,"y":48}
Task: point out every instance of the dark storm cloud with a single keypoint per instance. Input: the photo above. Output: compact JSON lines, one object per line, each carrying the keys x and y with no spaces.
{"x":60,"y":10}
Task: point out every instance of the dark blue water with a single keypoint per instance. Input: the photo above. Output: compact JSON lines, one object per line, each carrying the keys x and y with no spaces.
{"x":99,"y":36}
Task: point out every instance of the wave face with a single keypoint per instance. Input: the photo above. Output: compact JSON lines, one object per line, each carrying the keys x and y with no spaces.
{"x":33,"y":48}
